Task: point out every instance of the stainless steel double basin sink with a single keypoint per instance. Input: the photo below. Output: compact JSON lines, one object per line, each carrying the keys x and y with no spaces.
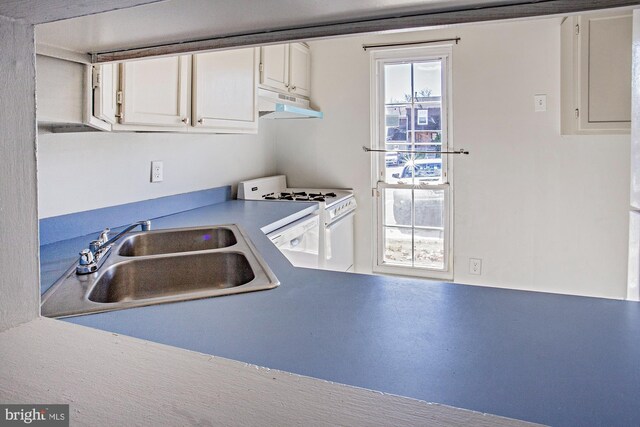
{"x":162,"y":266}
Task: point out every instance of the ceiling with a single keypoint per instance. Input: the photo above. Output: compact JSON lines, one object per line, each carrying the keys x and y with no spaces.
{"x":178,"y":20}
{"x":39,"y":11}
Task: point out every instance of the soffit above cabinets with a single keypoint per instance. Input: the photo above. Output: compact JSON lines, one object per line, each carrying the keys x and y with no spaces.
{"x":179,"y":20}
{"x":186,"y":26}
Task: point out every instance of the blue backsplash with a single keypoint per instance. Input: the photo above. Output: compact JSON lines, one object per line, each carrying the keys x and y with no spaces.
{"x":63,"y":227}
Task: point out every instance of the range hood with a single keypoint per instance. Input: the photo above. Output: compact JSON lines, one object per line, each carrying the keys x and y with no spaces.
{"x":274,"y":105}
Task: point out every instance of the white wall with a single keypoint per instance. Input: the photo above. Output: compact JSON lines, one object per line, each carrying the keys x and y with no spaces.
{"x":82,"y":171}
{"x":19,"y":296}
{"x":544,"y":212}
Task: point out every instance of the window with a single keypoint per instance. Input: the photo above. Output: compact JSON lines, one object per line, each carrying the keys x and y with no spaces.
{"x":413,"y":189}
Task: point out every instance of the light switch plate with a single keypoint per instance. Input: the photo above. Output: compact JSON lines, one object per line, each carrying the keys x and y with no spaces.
{"x":540,"y":102}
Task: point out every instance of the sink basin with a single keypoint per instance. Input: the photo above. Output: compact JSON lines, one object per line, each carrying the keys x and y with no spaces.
{"x":154,"y":267}
{"x":176,"y":241}
{"x":170,"y":276}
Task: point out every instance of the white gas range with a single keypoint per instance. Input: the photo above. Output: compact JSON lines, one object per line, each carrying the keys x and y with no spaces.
{"x":321,"y":240}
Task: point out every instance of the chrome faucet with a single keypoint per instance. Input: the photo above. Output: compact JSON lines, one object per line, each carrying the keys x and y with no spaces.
{"x":92,"y":258}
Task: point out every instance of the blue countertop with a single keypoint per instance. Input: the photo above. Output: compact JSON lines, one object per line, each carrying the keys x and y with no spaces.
{"x":553,"y":359}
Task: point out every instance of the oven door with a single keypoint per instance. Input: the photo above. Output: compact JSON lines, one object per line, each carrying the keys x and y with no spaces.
{"x":339,"y":244}
{"x":299,"y":241}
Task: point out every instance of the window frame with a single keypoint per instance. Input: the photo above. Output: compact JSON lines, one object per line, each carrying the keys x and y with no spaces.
{"x":378,"y":58}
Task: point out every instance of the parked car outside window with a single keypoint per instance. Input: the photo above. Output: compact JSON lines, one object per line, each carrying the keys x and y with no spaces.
{"x":422,"y":169}
{"x":391,"y":159}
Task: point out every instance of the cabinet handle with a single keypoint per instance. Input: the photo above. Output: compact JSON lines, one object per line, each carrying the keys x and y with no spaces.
{"x":286,"y":85}
{"x":200,"y":121}
{"x":293,"y":88}
{"x":185,"y":120}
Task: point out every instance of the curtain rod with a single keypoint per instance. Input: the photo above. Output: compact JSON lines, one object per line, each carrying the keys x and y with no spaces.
{"x":368,"y":150}
{"x":383,"y":45}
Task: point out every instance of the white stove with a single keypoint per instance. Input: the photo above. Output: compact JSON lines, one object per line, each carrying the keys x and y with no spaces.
{"x":321,"y":240}
{"x":335,"y":202}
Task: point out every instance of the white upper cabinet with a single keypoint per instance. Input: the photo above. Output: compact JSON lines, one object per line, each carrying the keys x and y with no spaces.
{"x":225,"y":90}
{"x":286,"y":68}
{"x":60,"y":87}
{"x":105,"y":87}
{"x":65,"y":96}
{"x":299,"y":69}
{"x":275,"y":67}
{"x":156,"y":92}
{"x":215,"y":92}
{"x":596,"y":73}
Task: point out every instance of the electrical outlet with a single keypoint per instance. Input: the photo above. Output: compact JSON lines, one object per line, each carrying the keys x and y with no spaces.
{"x":540,"y":102}
{"x":157,"y":171}
{"x":475,"y":266}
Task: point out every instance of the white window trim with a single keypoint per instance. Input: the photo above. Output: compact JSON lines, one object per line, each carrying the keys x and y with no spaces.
{"x":377,"y":59}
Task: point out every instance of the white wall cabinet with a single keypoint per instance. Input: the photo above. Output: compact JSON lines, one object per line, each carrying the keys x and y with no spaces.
{"x":213,"y":92}
{"x":275,"y":67}
{"x":60,"y":87}
{"x":225,"y":90}
{"x":105,"y":88}
{"x":156,"y":92}
{"x":286,"y":68}
{"x":65,"y":101}
{"x":299,"y":69}
{"x":596,"y":73}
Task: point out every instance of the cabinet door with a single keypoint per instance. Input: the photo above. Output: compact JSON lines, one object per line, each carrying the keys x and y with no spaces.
{"x":60,"y":91}
{"x":105,"y":86}
{"x":275,"y":66}
{"x":605,"y":58}
{"x":299,"y":69}
{"x":225,"y":90}
{"x":156,"y":92}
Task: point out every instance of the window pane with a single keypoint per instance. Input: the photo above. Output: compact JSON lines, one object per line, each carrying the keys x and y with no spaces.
{"x":428,"y":137}
{"x":426,"y":170}
{"x":427,"y":79}
{"x":397,"y":83}
{"x":414,"y":170}
{"x":398,"y":169}
{"x":427,"y":116}
{"x":429,"y":249}
{"x":397,"y":122}
{"x":397,"y":246}
{"x":397,"y":207}
{"x":429,"y":208}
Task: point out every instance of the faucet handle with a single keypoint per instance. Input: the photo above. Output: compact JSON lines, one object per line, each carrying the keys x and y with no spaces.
{"x":145,"y":225}
{"x":86,"y":257}
{"x":95,"y":246}
{"x":104,"y":236}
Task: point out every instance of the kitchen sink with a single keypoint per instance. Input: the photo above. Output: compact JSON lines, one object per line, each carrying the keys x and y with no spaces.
{"x":154,"y":267}
{"x":168,"y":276}
{"x":175,"y":241}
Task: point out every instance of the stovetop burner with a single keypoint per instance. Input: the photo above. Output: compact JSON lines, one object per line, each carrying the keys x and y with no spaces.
{"x":326,"y":195}
{"x":301,"y":196}
{"x":274,"y":188}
